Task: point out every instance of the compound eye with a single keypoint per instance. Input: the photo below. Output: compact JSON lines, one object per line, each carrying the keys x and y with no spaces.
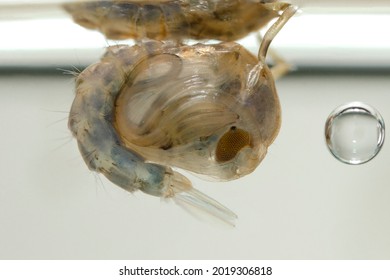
{"x":231,"y":143}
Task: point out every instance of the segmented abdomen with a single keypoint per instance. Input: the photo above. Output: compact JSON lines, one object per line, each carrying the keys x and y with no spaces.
{"x":172,"y":19}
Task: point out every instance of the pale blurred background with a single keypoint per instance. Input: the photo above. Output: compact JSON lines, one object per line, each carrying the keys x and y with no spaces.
{"x":301,"y":203}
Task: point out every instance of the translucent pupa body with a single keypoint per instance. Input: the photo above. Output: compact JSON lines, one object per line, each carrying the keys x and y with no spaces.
{"x":225,"y":20}
{"x":145,"y":110}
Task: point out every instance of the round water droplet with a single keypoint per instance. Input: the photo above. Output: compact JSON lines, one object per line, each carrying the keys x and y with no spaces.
{"x":355,"y":133}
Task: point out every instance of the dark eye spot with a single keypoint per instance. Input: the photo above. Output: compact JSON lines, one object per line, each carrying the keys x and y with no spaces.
{"x":231,"y":143}
{"x":167,"y":146}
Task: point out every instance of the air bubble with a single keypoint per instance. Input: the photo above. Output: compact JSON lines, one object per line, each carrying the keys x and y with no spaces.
{"x":355,"y":133}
